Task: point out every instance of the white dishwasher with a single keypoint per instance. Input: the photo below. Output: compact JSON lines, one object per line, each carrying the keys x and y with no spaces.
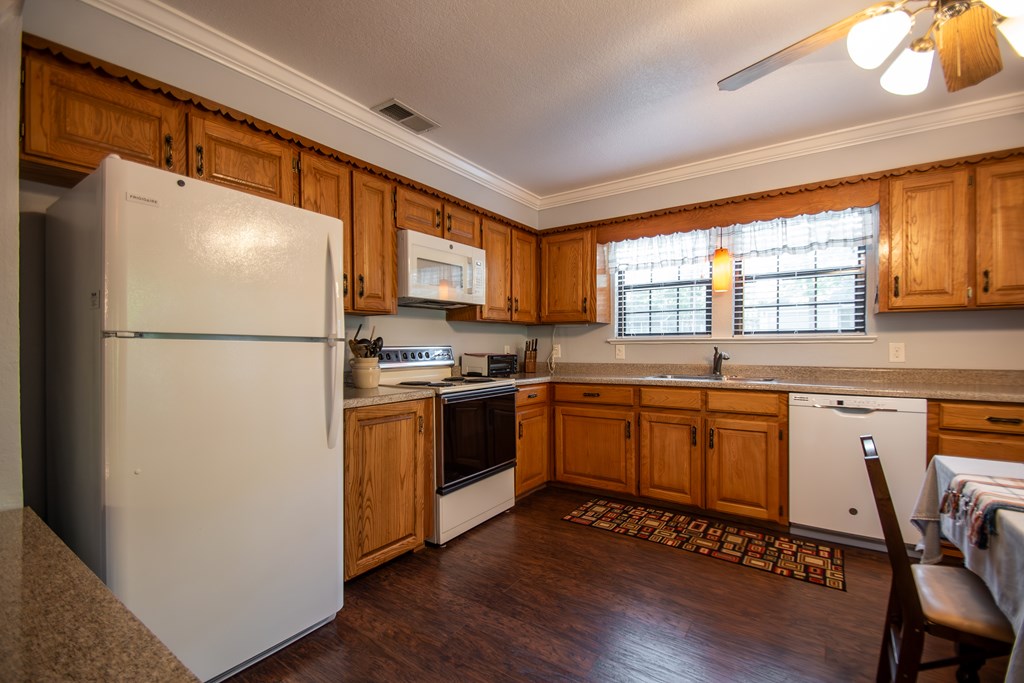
{"x":828,"y":483}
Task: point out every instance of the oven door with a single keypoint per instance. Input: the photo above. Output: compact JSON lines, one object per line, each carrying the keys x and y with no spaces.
{"x":476,"y":436}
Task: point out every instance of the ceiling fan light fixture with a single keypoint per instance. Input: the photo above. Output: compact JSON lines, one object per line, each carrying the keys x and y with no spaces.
{"x":1008,"y":8}
{"x":909,"y":73}
{"x":1013,"y":31}
{"x":871,"y":41}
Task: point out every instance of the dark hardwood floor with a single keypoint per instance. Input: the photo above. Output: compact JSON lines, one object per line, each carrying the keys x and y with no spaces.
{"x":528,"y":597}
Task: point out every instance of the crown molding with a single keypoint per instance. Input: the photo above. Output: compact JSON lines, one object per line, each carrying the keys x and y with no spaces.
{"x":938,"y":119}
{"x":184,"y":31}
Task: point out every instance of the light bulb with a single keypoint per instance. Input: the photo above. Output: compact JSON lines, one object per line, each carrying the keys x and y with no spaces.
{"x":1013,"y":31}
{"x":1008,"y":8}
{"x":908,"y":74}
{"x":871,"y":41}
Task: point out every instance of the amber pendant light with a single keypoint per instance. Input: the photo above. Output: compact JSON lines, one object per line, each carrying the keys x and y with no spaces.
{"x":721,"y":268}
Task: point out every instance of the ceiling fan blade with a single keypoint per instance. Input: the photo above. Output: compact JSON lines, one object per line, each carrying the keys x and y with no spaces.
{"x":825,"y":36}
{"x":968,"y":48}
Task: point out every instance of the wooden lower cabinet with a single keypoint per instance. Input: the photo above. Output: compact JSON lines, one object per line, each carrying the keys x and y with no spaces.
{"x":968,"y":429}
{"x":386,"y":456}
{"x":672,"y":457}
{"x":533,"y":437}
{"x":743,"y":467}
{"x":595,"y":447}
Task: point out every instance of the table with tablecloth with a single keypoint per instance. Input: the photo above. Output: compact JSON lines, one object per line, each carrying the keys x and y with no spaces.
{"x":978,"y":506}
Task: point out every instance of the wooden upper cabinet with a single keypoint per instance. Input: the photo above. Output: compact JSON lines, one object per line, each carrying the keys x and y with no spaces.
{"x":418,"y":211}
{"x":568,"y":292}
{"x":1000,"y":228}
{"x":374,"y":281}
{"x":525,"y":277}
{"x":497,"y":242}
{"x":231,"y":153}
{"x":461,"y":225}
{"x":74,"y":117}
{"x":928,"y":241}
{"x":326,"y":187}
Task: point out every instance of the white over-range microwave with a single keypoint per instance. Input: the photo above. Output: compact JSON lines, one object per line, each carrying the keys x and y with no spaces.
{"x":439,"y":273}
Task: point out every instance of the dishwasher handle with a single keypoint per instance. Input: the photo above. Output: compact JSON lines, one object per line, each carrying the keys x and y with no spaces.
{"x":856,"y":411}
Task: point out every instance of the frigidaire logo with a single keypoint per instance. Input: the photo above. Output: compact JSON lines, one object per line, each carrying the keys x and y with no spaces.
{"x":132,"y":197}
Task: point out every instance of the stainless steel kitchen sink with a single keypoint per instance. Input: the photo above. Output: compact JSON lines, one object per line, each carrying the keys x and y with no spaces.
{"x":714,"y":378}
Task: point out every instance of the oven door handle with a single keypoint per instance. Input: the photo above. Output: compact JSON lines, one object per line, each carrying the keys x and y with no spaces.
{"x":463,"y":396}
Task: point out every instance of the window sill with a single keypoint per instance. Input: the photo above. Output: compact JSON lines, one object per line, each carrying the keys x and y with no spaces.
{"x":765,"y":339}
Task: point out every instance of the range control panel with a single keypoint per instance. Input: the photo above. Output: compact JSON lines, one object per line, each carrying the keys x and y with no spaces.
{"x":416,"y":356}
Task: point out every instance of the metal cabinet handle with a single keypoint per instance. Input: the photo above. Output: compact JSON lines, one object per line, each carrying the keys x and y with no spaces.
{"x":693,"y":435}
{"x":362,"y":285}
{"x":169,"y":151}
{"x":896,"y":286}
{"x":584,"y":304}
{"x":1004,"y":420}
{"x":508,"y":304}
{"x":517,"y":304}
{"x":711,"y":438}
{"x":984,"y":287}
{"x":344,"y":284}
{"x":520,"y":429}
{"x":531,"y":395}
{"x":591,"y":394}
{"x":449,"y":222}
{"x":438,"y":215}
{"x":199,"y":160}
{"x":629,"y":429}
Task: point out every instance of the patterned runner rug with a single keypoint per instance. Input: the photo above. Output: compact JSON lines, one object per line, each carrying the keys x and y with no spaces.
{"x":792,"y":557}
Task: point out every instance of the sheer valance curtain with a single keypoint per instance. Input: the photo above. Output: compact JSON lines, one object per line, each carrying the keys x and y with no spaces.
{"x":799,"y":234}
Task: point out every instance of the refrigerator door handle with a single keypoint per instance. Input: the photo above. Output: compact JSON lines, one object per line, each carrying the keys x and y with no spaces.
{"x":336,"y":371}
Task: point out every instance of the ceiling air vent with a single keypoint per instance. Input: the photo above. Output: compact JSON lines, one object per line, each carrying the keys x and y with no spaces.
{"x":404,"y":116}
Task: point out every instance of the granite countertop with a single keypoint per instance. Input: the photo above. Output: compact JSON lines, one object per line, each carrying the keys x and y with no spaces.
{"x":357,"y":398}
{"x":961,"y":385}
{"x":59,"y":622}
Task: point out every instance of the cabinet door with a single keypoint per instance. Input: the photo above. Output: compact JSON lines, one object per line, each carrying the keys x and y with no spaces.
{"x":461,"y":225}
{"x":928,"y":237}
{"x":525,"y":278}
{"x":75,"y":117}
{"x":417,"y":211}
{"x":567,"y":263}
{"x":743,"y":468}
{"x":1000,"y":211}
{"x":497,"y":242}
{"x":384,"y":469}
{"x":326,"y":188}
{"x":671,"y":462}
{"x":595,"y":447}
{"x":532,"y":448}
{"x":373,"y":246}
{"x":232,"y":154}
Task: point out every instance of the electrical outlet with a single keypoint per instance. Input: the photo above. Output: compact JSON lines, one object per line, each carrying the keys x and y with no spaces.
{"x":897,"y":352}
{"x":556,"y":350}
{"x":620,"y":352}
{"x":508,"y":349}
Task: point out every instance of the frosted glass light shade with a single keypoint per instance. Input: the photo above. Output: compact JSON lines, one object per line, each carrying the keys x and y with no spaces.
{"x":871,"y":41}
{"x":721,"y":271}
{"x":1013,"y":31}
{"x":908,"y":75}
{"x":1008,"y":8}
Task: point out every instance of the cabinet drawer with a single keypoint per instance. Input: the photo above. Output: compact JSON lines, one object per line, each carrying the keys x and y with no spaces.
{"x":750,"y":402}
{"x":662,"y":397}
{"x":532,"y":394}
{"x":594,"y":393}
{"x":1005,"y":418}
{"x":981,"y":446}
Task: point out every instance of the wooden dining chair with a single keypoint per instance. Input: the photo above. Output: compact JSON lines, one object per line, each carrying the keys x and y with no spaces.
{"x":947,"y":602}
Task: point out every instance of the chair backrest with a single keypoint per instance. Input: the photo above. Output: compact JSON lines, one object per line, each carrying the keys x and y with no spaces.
{"x":903,"y":580}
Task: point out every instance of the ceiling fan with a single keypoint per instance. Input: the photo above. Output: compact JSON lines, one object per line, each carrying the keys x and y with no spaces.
{"x":963,"y":32}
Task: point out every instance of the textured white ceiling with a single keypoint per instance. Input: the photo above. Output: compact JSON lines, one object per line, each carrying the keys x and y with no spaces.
{"x":558,"y":95}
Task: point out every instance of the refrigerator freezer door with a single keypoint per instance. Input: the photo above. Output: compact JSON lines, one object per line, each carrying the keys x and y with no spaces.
{"x":223,"y":499}
{"x":186,"y":256}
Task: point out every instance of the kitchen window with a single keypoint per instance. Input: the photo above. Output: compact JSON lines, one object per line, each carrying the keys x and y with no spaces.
{"x":804,"y":275}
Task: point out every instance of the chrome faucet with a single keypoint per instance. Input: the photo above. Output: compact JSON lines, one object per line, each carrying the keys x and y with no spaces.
{"x":716,"y":363}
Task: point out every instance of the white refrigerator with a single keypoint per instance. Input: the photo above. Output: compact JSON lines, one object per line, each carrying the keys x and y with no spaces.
{"x":194,"y":408}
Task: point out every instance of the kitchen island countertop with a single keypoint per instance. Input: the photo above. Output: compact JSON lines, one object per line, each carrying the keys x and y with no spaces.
{"x":58,"y":622}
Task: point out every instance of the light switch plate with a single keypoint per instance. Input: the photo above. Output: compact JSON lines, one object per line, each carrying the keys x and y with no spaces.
{"x":897,"y":352}
{"x":556,"y":350}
